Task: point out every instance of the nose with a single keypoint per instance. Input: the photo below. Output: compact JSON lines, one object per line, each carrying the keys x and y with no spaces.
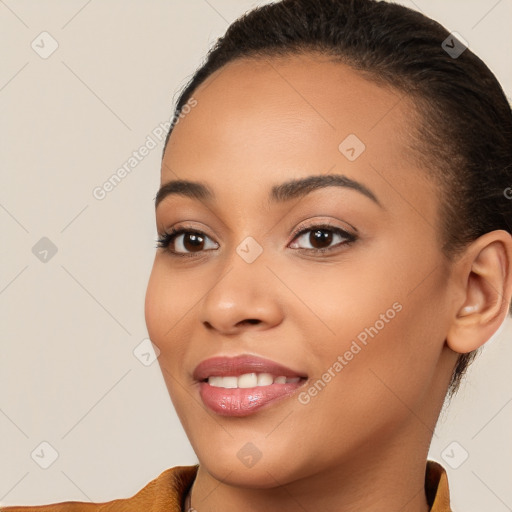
{"x":246,"y":296}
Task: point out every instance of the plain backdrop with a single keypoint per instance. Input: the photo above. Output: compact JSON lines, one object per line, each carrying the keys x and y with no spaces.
{"x":74,"y":268}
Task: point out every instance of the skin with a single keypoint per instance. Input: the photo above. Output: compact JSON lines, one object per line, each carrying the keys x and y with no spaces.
{"x":362,"y":442}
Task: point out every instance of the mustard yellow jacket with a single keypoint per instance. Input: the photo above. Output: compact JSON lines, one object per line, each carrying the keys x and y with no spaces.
{"x":167,"y":492}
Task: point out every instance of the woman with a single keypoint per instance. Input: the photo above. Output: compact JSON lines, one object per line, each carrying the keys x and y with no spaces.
{"x":334,"y":247}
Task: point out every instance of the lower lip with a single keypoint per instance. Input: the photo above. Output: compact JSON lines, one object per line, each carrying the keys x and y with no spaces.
{"x":244,"y":401}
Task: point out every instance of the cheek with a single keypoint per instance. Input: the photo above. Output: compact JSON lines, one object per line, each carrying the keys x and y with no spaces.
{"x":163,"y":306}
{"x":350,"y":302}
{"x":152,"y":305}
{"x":165,"y":302}
{"x":160,"y":315}
{"x":169,"y":305}
{"x":363,"y":392}
{"x":388,"y":330}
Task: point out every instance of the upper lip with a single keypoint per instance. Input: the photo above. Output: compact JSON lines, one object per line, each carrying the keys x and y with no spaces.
{"x":239,"y":365}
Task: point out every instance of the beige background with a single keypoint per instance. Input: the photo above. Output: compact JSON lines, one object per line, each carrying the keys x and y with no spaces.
{"x":69,"y":325}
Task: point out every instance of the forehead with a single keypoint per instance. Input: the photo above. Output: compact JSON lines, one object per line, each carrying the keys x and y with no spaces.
{"x":267,"y":120}
{"x":301,"y":91}
{"x":271,"y":100}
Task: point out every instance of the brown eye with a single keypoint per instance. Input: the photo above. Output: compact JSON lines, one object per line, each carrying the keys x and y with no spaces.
{"x":192,"y":241}
{"x":184,"y":242}
{"x":320,"y":238}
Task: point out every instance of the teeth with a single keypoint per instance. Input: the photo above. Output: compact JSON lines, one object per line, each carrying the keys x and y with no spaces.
{"x":265,"y":379}
{"x":216,"y":382}
{"x":229,"y":382}
{"x":249,"y":380}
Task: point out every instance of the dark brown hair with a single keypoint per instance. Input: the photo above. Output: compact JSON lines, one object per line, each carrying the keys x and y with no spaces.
{"x":465,"y":137}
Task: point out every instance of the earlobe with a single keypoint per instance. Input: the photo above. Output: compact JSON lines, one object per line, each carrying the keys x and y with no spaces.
{"x":485,"y":276}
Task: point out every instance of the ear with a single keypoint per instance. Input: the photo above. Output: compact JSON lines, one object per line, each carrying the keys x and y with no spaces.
{"x":484,"y":278}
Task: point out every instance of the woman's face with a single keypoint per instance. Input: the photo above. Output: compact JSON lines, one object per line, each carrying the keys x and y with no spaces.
{"x":355,"y":310}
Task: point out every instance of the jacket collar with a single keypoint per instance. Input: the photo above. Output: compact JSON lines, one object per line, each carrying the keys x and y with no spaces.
{"x":436,"y":484}
{"x":436,"y":487}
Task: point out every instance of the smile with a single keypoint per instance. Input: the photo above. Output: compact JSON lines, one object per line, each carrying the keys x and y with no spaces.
{"x":249,"y":380}
{"x":242,"y":385}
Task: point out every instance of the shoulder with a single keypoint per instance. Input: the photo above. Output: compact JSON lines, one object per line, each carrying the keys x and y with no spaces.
{"x":164,"y":493}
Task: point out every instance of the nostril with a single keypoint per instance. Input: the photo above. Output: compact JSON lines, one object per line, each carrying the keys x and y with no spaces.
{"x":250,"y":321}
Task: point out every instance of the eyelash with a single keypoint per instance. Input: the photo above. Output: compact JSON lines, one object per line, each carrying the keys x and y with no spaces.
{"x":167,"y":238}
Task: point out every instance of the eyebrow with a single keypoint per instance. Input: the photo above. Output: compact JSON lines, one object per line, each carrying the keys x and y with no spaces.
{"x":278,"y":193}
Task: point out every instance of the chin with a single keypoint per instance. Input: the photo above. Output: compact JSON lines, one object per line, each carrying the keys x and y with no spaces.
{"x":262,"y":475}
{"x":257,"y":464}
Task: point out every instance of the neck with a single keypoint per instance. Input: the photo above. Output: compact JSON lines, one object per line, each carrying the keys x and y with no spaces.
{"x":384,"y":482}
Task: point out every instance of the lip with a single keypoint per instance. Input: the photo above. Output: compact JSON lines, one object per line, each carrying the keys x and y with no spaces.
{"x":243,"y":401}
{"x":236,"y":366}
